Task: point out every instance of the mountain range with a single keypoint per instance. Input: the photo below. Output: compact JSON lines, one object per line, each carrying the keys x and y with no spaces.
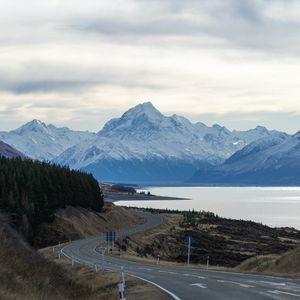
{"x":270,"y":161}
{"x":146,"y":147}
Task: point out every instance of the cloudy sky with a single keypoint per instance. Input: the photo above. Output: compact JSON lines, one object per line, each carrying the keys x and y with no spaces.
{"x":80,"y":63}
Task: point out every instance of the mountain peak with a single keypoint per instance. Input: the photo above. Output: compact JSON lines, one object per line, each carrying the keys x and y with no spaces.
{"x":34,"y":125}
{"x":145,"y":108}
{"x":139,"y":117}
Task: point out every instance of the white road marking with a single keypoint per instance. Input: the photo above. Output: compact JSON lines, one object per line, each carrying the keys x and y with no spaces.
{"x":237,"y":283}
{"x":276,"y":292}
{"x":158,"y":286}
{"x":167,"y":272}
{"x":200,"y":285}
{"x":274,"y":283}
{"x":193,"y":275}
{"x":147,"y":269}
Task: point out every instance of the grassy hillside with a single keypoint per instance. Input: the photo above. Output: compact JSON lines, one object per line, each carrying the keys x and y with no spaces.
{"x":28,"y":275}
{"x":74,"y":223}
{"x":285,"y":264}
{"x":227,"y":242}
{"x":24,"y":274}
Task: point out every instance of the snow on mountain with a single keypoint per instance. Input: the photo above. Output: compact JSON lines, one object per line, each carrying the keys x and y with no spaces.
{"x":9,"y":152}
{"x":144,"y":145}
{"x":44,"y":142}
{"x":267,"y":161}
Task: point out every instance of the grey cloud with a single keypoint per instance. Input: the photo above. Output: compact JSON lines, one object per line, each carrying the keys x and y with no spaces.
{"x":282,"y":121}
{"x":241,"y":23}
{"x":44,"y":78}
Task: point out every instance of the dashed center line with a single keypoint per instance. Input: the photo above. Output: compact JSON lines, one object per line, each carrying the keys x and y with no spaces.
{"x":276,"y":292}
{"x":168,"y":272}
{"x":147,"y":269}
{"x":274,"y":283}
{"x":237,"y":283}
{"x":193,"y":275}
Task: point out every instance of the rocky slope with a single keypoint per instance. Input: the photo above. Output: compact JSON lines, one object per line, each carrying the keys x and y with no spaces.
{"x":9,"y":152}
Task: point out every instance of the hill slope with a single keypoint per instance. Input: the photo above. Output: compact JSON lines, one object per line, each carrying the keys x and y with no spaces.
{"x":20,"y":280}
{"x":9,"y":152}
{"x":285,"y":264}
{"x":33,"y":191}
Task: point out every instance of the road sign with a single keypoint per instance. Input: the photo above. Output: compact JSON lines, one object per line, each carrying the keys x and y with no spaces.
{"x":110,"y":236}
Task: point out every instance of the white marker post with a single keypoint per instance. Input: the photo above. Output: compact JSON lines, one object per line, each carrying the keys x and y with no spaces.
{"x":122,"y":275}
{"x":189,"y":250}
{"x":121,"y":291}
{"x":158,"y":259}
{"x":207,"y":262}
{"x":102,"y":250}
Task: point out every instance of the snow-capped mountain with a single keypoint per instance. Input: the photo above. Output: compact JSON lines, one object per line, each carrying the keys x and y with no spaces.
{"x":9,"y":152}
{"x":268,"y":161}
{"x":44,"y":142}
{"x":143,"y":145}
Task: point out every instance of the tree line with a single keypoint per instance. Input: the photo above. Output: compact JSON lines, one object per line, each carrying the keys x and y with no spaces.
{"x":31,"y":191}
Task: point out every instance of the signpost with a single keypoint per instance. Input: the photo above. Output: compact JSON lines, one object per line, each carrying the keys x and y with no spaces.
{"x":110,"y":238}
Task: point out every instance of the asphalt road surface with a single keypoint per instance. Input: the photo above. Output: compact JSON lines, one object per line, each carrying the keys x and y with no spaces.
{"x":184,"y":283}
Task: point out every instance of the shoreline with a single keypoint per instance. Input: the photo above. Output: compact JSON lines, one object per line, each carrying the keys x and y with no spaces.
{"x":117,"y":198}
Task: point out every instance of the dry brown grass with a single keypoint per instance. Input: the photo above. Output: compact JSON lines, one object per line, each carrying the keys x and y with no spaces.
{"x":285,"y":264}
{"x":24,"y":274}
{"x":77,"y":223}
{"x":28,"y":275}
{"x":104,"y":284}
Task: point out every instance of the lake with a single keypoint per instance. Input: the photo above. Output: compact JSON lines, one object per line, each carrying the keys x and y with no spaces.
{"x":273,"y":206}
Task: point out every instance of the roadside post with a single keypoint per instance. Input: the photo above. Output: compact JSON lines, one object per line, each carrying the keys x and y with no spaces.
{"x":207,"y":262}
{"x":102,"y":251}
{"x":189,"y":241}
{"x":123,"y":276}
{"x":121,"y":289}
{"x":158,"y":259}
{"x":121,"y":285}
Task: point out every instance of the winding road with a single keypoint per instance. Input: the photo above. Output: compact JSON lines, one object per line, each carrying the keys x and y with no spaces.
{"x":183,"y":283}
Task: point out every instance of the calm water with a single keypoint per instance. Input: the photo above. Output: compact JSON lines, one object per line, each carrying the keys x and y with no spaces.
{"x":271,"y":206}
